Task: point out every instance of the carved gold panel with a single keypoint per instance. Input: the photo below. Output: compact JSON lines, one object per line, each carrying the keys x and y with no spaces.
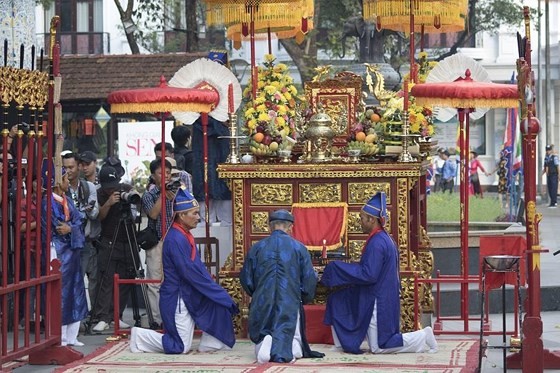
{"x":355,"y":249}
{"x":259,"y":222}
{"x":354,"y":225}
{"x":360,"y":193}
{"x":271,"y":194}
{"x":323,"y":192}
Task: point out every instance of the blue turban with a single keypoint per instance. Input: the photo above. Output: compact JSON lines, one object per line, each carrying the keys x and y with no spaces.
{"x":184,"y":201}
{"x":45,"y":172}
{"x":377,"y":207}
{"x":282,"y":215}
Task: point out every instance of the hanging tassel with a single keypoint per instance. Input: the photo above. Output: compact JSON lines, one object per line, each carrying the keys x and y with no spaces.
{"x":378,"y":26}
{"x":437,"y":22}
{"x":57,"y":87}
{"x":304,"y":25}
{"x":244,"y":29}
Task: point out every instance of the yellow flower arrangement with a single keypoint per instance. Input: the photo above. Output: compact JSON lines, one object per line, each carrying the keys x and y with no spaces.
{"x":420,"y":117}
{"x":270,"y":117}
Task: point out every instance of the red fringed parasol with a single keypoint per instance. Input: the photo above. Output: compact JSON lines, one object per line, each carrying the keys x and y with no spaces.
{"x":465,"y":95}
{"x":162,"y":100}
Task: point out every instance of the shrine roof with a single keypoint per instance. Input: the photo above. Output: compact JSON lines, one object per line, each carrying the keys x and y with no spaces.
{"x":93,"y":77}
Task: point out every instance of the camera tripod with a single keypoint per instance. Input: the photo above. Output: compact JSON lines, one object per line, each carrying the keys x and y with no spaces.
{"x":136,"y":270}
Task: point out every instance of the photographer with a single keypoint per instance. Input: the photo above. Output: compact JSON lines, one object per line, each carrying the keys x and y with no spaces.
{"x":116,"y":213}
{"x":151,"y":205}
{"x":84,"y":195}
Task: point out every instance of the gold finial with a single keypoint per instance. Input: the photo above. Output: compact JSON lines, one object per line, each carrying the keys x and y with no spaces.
{"x":54,"y":24}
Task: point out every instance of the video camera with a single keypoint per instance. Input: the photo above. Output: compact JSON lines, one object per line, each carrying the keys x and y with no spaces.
{"x":173,"y":185}
{"x":10,"y":169}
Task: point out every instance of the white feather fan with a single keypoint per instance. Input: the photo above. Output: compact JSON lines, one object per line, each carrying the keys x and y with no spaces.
{"x":448,"y":70}
{"x":218,"y":76}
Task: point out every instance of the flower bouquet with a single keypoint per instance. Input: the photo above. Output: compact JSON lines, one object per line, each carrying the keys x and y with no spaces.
{"x":270,"y":116}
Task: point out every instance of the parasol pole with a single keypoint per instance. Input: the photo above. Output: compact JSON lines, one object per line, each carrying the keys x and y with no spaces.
{"x":254,"y":70}
{"x":269,"y":35}
{"x":163,"y":173}
{"x":464,"y":205}
{"x":412,"y":47}
{"x":204,"y":117}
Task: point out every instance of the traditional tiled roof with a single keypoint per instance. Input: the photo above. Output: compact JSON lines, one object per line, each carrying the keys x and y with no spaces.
{"x":93,"y":77}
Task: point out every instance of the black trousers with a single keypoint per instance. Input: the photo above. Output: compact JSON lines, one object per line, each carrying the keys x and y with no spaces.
{"x":114,"y":258}
{"x":552,"y":185}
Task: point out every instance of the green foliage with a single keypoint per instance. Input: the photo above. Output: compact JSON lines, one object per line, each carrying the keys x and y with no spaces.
{"x":445,"y":207}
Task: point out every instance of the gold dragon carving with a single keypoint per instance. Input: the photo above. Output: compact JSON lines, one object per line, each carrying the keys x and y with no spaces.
{"x":360,"y":193}
{"x":377,"y":88}
{"x":271,"y":194}
{"x":320,"y":193}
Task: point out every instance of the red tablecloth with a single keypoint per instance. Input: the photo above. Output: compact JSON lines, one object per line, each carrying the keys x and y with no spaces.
{"x":315,"y":330}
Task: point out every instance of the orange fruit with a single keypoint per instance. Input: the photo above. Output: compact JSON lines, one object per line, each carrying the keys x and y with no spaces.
{"x":360,"y":136}
{"x":258,"y":137}
{"x":375,"y":117}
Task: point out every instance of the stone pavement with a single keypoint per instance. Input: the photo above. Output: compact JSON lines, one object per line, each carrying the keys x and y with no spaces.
{"x":550,"y":265}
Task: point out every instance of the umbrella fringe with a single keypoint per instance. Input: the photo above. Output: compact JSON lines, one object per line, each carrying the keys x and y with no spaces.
{"x":160,"y":107}
{"x":491,"y":103}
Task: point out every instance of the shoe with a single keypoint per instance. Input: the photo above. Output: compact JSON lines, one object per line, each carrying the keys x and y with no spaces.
{"x":100,"y":326}
{"x":76,"y":344}
{"x":552,"y":206}
{"x":431,"y":339}
{"x":123,"y":325}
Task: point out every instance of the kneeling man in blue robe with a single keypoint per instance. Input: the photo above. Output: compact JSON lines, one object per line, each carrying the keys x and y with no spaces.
{"x":368,"y":302}
{"x":279,"y":277}
{"x":188,"y":295}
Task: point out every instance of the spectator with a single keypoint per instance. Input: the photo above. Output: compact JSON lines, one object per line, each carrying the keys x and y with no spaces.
{"x":84,"y":195}
{"x":181,"y":136}
{"x":88,"y":166}
{"x":474,"y":181}
{"x":438,"y":168}
{"x":152,"y":207}
{"x":551,"y":171}
{"x":449,"y":171}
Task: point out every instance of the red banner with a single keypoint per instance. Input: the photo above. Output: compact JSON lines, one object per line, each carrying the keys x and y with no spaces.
{"x":320,"y":224}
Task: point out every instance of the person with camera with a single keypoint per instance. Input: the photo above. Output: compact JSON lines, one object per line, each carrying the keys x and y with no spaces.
{"x":84,"y":195}
{"x":152,"y":206}
{"x":116,"y":253}
{"x":189,"y":296}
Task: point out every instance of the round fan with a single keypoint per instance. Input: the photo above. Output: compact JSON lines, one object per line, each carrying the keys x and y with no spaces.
{"x":448,"y":70}
{"x":205,"y":71}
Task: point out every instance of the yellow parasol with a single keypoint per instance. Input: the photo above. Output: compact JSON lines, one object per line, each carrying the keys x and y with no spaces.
{"x":247,"y":17}
{"x":431,"y":16}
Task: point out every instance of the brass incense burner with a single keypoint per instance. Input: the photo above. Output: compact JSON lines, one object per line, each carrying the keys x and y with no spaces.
{"x":320,"y":135}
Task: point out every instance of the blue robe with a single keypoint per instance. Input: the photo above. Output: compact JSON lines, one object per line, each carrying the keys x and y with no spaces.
{"x":74,"y":302}
{"x":209,"y":304}
{"x":218,"y":151}
{"x":374,"y":278}
{"x":279,"y":276}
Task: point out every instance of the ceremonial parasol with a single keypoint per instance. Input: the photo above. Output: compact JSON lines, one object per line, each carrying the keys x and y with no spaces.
{"x":437,"y":16}
{"x":466,"y":95}
{"x":209,"y":75}
{"x":162,"y":100}
{"x":269,"y":13}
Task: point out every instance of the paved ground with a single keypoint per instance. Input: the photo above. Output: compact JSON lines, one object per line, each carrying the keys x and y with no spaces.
{"x":550,"y":239}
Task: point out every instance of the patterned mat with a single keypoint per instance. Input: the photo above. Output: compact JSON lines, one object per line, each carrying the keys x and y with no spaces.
{"x":454,"y":356}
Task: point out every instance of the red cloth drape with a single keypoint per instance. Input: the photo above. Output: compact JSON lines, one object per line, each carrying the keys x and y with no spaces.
{"x":315,"y":222}
{"x":503,"y":245}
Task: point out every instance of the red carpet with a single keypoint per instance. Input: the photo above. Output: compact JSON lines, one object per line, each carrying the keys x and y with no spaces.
{"x":454,"y":356}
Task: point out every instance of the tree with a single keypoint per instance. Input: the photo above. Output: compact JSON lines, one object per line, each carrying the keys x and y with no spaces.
{"x":128,"y":24}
